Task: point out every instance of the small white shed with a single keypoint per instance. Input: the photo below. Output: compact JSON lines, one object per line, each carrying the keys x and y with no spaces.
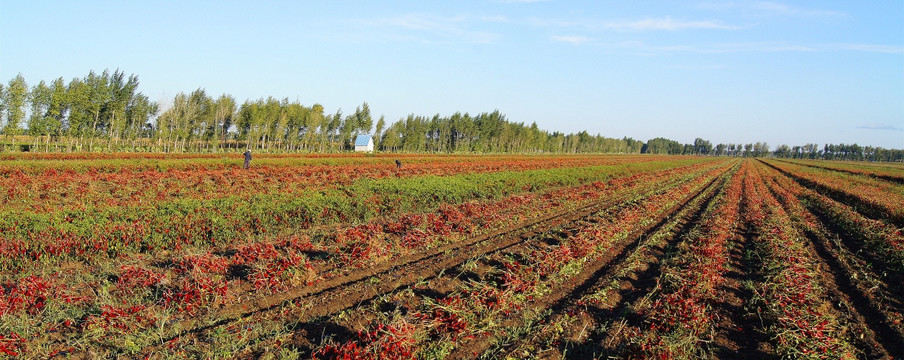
{"x":364,"y":143}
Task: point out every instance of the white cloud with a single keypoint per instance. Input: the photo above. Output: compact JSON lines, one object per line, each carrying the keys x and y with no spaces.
{"x":648,"y":24}
{"x":775,"y":8}
{"x":769,"y":8}
{"x":571,"y":39}
{"x":754,"y":47}
{"x":760,"y":47}
{"x":888,"y":49}
{"x":700,"y":67}
{"x":547,"y":22}
{"x":429,"y":28}
{"x":884,"y":127}
{"x":420,"y":22}
{"x":668,"y":24}
{"x":502,"y":19}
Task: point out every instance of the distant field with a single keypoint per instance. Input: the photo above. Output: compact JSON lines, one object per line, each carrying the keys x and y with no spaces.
{"x":449,"y":257}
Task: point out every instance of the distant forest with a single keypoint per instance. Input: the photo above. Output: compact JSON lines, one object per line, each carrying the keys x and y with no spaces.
{"x":106,"y":112}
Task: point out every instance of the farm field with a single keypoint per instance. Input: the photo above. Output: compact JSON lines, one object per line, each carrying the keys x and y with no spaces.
{"x":449,"y":257}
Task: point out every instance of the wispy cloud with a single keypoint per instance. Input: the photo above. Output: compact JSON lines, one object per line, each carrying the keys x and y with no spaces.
{"x":646,"y":24}
{"x":883,"y":127}
{"x":751,"y":47}
{"x":502,"y":19}
{"x":700,"y":67}
{"x":876,"y":48}
{"x":430,"y":28}
{"x":553,"y":22}
{"x":790,"y":10}
{"x":769,"y":8}
{"x":571,"y":39}
{"x":667,"y":24}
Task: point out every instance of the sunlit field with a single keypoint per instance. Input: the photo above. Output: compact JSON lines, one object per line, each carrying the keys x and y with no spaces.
{"x":448,"y":256}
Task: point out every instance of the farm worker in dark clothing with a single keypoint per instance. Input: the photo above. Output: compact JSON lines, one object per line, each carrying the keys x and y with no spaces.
{"x":398,"y":164}
{"x":247,"y":159}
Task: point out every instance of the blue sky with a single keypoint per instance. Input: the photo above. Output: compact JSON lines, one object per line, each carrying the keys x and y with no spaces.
{"x":727,"y":71}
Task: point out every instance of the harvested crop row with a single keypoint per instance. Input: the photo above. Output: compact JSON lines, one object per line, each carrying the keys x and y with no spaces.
{"x":188,"y":286}
{"x":522,"y":280}
{"x":403,"y":276}
{"x":889,"y":173}
{"x":878,"y":199}
{"x":799,"y":317}
{"x":513,"y":258}
{"x":88,"y":235}
{"x":880,"y":241}
{"x":870,"y":296}
{"x":681,"y":320}
{"x":579,"y":322}
{"x":53,"y":189}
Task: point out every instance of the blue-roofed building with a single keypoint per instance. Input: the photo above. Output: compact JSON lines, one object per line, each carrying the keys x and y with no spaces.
{"x":364,"y":143}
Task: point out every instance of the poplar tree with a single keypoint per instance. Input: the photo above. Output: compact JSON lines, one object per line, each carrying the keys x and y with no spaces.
{"x":335,"y":123}
{"x":314,"y":121}
{"x":224,"y":115}
{"x":78,"y":118}
{"x":15,"y":97}
{"x":348,"y":127}
{"x":378,"y":132}
{"x":364,"y":122}
{"x":2,"y":106}
{"x":59,"y":103}
{"x":98,"y":94}
{"x":138,"y":115}
{"x":122,"y":95}
{"x":40,"y":123}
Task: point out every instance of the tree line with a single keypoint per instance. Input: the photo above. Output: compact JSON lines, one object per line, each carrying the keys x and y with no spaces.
{"x":106,"y":112}
{"x":104,"y":106}
{"x":761,"y":149}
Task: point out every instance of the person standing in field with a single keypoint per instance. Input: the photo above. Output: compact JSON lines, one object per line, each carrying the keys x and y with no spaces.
{"x":398,"y":164}
{"x":247,"y":159}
